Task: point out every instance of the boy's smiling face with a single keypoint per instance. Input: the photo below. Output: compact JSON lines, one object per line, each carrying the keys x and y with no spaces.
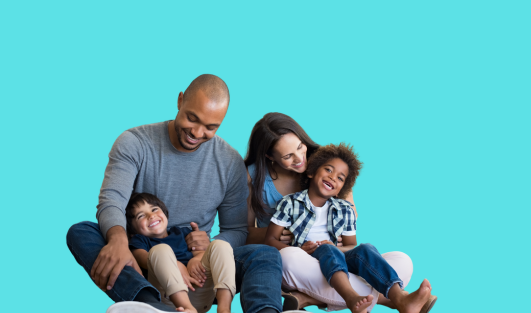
{"x":149,"y":220}
{"x":329,"y":178}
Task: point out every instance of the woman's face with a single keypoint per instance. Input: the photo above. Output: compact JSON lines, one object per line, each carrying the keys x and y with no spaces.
{"x":290,"y":153}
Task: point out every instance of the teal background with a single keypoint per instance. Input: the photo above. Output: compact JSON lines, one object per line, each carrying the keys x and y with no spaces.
{"x":434,"y":95}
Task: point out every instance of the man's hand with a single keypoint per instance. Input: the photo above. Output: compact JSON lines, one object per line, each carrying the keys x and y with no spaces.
{"x":286,"y":237}
{"x":186,"y":277}
{"x":196,"y":269}
{"x":309,"y":247}
{"x":112,"y":259}
{"x":197,"y":240}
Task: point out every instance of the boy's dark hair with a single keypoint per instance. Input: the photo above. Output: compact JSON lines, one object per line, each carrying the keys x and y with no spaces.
{"x":136,"y":200}
{"x":325,"y":153}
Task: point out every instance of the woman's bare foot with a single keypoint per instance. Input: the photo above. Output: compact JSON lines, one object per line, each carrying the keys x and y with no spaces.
{"x":305,"y":300}
{"x":414,"y":302}
{"x":359,"y":304}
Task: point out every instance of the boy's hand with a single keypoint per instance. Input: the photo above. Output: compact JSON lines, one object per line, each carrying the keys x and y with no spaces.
{"x":339,"y":241}
{"x":196,"y":269}
{"x":325,"y":242}
{"x":197,"y":240}
{"x":186,"y":277}
{"x":309,"y":247}
{"x":286,"y":237}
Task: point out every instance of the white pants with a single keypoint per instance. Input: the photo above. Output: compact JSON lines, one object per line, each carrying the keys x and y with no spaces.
{"x":300,"y":271}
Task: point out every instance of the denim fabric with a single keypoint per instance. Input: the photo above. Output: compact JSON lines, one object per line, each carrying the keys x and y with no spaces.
{"x":258,"y":277}
{"x":85,"y":242}
{"x":258,"y":270}
{"x":364,"y":261}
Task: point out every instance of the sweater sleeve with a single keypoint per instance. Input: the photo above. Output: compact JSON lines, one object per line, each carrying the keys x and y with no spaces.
{"x":125,"y":159}
{"x":232,"y":211}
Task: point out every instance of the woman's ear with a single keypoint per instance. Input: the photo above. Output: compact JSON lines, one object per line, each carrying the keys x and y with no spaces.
{"x":309,"y":176}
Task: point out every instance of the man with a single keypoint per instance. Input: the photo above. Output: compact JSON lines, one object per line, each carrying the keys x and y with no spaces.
{"x":196,"y":174}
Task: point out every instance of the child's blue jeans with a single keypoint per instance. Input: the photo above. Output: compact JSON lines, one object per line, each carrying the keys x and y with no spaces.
{"x":364,"y":261}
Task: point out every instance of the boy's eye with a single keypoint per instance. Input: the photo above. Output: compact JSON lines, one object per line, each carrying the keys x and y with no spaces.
{"x":154,"y":210}
{"x":139,"y":217}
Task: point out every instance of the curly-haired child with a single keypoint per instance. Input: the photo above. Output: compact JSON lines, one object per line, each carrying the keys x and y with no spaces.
{"x":317,"y":217}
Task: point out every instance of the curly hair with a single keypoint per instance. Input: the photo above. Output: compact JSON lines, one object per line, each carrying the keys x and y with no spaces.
{"x":325,"y":153}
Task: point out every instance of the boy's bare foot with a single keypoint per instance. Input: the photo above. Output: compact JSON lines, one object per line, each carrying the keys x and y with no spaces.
{"x":187,"y":310}
{"x":414,"y":302}
{"x":223,"y":310}
{"x":360,"y":304}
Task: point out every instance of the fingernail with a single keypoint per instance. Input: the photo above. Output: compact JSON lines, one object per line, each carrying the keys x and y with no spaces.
{"x":109,"y":287}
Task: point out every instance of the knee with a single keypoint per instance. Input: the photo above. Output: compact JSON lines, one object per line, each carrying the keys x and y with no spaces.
{"x":366,"y":248}
{"x":330,"y":250}
{"x":220,"y":246}
{"x":264,"y":252}
{"x":79,"y":232}
{"x":159,"y":250}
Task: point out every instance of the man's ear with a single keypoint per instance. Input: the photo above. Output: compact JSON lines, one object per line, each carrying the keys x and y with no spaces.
{"x":180,"y":100}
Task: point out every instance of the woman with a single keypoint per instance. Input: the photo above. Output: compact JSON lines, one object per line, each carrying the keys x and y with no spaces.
{"x":276,"y":157}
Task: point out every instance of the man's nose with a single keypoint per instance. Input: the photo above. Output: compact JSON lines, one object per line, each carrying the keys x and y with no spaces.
{"x":198,"y":132}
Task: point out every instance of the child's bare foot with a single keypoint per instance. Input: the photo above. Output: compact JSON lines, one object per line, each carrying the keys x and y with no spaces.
{"x":360,"y":304}
{"x":223,"y":310}
{"x":187,"y":310}
{"x":414,"y":302}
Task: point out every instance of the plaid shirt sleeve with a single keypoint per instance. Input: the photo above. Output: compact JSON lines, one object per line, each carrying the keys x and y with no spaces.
{"x":284,"y":212}
{"x":350,"y":220}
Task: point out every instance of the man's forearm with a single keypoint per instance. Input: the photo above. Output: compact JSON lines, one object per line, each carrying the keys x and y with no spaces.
{"x":117,"y":235}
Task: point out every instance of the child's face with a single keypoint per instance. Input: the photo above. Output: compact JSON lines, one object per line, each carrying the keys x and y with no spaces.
{"x":329,"y":178}
{"x":150,"y":221}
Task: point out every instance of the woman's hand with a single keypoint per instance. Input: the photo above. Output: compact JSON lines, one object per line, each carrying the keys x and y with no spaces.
{"x":186,"y":277}
{"x":196,"y":269}
{"x":309,"y":247}
{"x":286,"y":237}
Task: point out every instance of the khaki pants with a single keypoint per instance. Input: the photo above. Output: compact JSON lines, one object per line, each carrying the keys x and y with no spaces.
{"x":218,"y":261}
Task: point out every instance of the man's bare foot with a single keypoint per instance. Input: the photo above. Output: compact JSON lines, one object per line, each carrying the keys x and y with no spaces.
{"x":305,"y":300}
{"x":360,"y":304}
{"x":187,"y":310}
{"x":413,"y":302}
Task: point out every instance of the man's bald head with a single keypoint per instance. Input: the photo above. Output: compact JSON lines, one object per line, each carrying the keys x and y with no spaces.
{"x":213,"y":87}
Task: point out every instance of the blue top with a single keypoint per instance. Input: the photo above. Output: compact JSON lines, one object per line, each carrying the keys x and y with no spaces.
{"x":270,"y":195}
{"x":175,"y":240}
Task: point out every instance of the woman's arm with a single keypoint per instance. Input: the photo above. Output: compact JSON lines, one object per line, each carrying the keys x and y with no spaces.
{"x":256,"y":235}
{"x":272,"y":237}
{"x":141,"y":257}
{"x":350,"y":199}
{"x":349,"y":243}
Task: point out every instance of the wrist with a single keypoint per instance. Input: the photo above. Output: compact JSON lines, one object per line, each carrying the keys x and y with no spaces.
{"x":116,"y":235}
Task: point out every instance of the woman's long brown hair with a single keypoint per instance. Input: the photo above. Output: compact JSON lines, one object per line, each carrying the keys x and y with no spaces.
{"x":265,"y":134}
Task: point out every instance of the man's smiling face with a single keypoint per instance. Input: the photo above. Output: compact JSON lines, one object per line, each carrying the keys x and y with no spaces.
{"x":197,"y":121}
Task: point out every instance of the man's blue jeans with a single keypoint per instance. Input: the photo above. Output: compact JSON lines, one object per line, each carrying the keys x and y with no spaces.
{"x":364,"y":261}
{"x":258,"y":270}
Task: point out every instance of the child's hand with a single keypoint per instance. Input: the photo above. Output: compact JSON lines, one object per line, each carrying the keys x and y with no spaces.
{"x":186,"y":277}
{"x":309,"y":246}
{"x":325,"y":242}
{"x":196,"y":269}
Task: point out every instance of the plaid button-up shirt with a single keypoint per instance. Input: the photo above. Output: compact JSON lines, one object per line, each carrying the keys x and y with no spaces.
{"x":298,"y":210}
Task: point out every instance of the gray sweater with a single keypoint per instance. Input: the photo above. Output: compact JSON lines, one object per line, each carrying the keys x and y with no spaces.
{"x":194,"y":185}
